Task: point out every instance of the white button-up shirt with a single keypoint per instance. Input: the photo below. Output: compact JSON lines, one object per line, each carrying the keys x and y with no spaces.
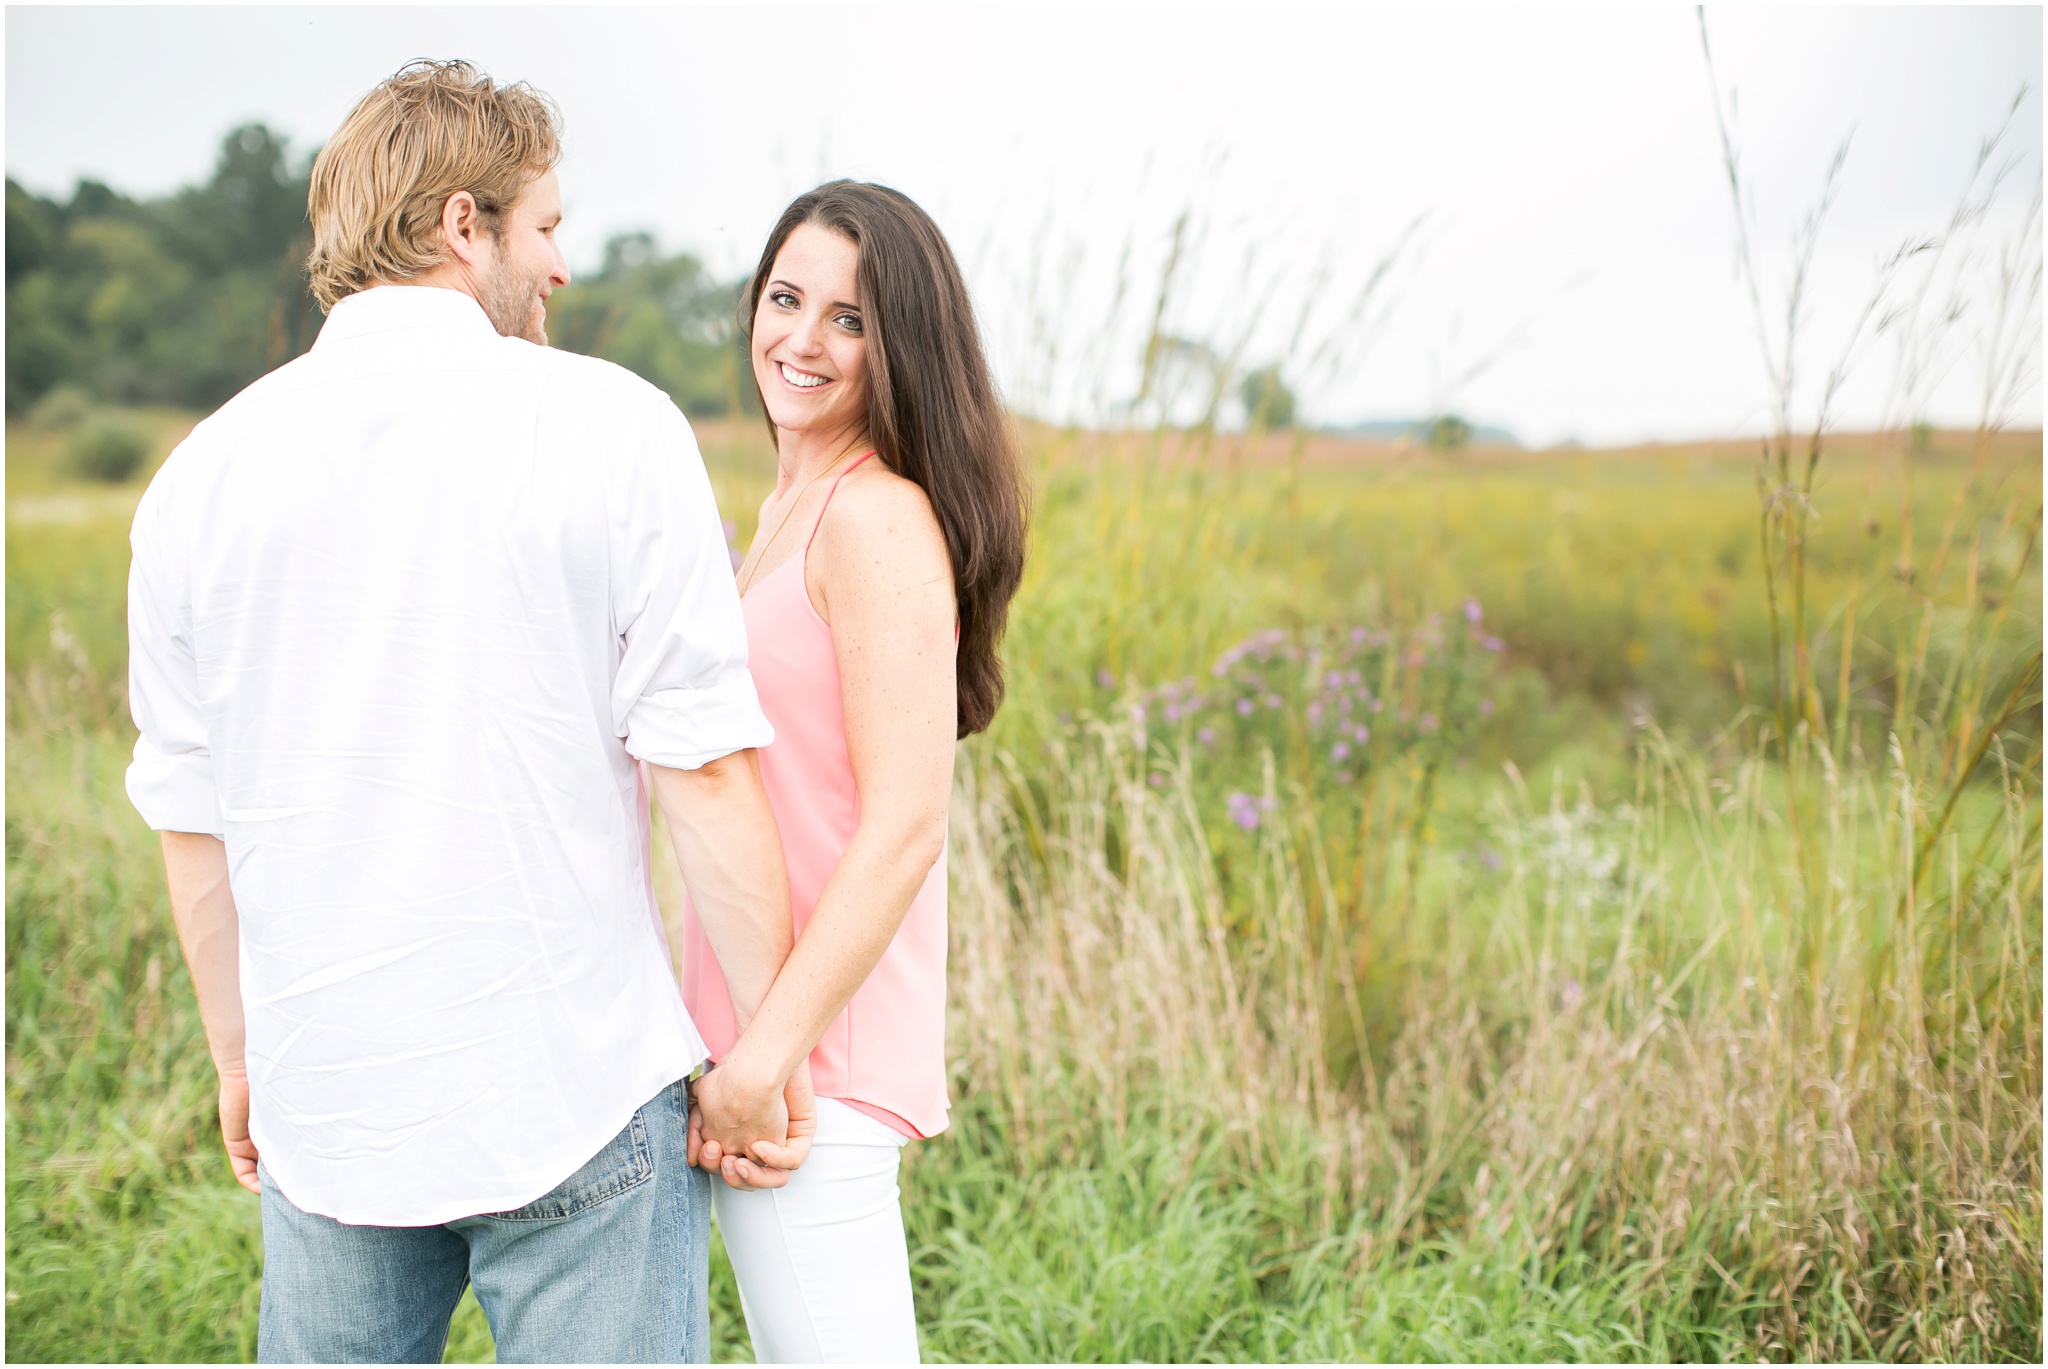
{"x":401,"y":616}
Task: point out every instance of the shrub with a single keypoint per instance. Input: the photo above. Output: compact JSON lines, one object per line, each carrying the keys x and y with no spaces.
{"x":110,"y":449}
{"x":1268,"y":402}
{"x":62,"y":409}
{"x":1446,"y":433}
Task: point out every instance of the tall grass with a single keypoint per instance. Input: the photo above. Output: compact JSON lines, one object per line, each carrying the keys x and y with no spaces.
{"x":1635,"y":1058}
{"x":1625,"y":1035}
{"x":1743,"y":1060}
{"x":1508,"y":905}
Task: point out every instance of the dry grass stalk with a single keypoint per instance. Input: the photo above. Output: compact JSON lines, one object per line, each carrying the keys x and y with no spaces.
{"x":1639,"y":1049}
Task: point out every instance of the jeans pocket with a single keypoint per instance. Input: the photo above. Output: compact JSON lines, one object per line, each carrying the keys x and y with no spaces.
{"x":627,"y":1161}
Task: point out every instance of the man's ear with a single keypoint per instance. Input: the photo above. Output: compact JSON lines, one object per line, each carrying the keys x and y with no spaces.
{"x":462,"y":226}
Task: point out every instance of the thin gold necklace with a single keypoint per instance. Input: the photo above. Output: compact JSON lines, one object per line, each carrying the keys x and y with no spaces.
{"x":798,"y":498}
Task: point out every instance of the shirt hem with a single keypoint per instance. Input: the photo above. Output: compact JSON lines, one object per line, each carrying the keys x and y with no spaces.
{"x":896,"y":1122}
{"x":491,"y":1202}
{"x":891,"y":1119}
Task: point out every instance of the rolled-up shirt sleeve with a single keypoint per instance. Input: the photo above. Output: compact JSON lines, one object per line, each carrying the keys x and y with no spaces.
{"x":171,"y":780}
{"x":682,"y":695}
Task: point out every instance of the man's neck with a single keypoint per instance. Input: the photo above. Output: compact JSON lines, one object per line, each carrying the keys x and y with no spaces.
{"x":454,"y":275}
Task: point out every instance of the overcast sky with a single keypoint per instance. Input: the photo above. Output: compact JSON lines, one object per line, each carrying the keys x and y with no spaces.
{"x":1572,"y":275}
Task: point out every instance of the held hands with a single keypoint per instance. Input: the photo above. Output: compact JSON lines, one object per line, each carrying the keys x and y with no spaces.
{"x":728,"y":1135}
{"x":234,"y":1128}
{"x":766,"y":1164}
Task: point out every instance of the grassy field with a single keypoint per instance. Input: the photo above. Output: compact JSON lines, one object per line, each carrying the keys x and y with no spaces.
{"x":1396,"y":916}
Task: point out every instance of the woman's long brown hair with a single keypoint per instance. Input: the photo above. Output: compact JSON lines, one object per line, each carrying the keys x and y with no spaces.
{"x":933,"y":412}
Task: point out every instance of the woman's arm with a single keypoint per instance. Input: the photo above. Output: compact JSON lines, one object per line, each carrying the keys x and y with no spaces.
{"x":881,"y":564}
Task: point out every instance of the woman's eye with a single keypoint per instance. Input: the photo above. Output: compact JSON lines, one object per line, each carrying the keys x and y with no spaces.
{"x":784,"y":299}
{"x":850,"y":322}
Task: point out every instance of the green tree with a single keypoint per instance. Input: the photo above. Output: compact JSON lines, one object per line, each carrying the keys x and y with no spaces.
{"x":1268,"y":402}
{"x":186,"y":299}
{"x":663,"y":317}
{"x":1446,"y":433}
{"x":181,"y":300}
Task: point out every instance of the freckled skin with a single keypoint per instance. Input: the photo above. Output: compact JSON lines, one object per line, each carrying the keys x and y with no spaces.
{"x":879,"y":574}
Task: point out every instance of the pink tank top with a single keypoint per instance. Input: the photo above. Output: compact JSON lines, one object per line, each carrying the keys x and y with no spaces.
{"x":886,"y":1053}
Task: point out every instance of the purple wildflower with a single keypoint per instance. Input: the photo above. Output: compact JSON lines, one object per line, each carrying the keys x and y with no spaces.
{"x":1105,"y":679}
{"x":1473,"y":613}
{"x":1315,"y":712}
{"x":1272,"y":701}
{"x":1207,"y":736}
{"x":1340,"y":751}
{"x":1173,"y":713}
{"x":1244,"y":706}
{"x":1486,"y":706}
{"x":1244,"y":812}
{"x":1491,"y":643}
{"x":1428,"y":722}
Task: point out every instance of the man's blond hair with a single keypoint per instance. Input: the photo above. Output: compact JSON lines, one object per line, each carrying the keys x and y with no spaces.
{"x":433,"y":129}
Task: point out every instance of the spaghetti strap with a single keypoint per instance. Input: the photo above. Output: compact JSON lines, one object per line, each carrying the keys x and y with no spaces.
{"x":828,"y":503}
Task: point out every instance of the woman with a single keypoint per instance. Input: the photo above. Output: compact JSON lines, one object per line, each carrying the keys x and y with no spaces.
{"x":875,"y":595}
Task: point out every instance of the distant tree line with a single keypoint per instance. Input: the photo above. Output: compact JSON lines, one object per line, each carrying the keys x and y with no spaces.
{"x":181,"y":300}
{"x":665,"y":318}
{"x":184,"y":300}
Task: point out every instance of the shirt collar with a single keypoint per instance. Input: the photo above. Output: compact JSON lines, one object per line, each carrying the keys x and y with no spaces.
{"x":394,"y":308}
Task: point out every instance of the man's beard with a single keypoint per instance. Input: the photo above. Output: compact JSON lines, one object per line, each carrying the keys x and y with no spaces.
{"x":512,"y":303}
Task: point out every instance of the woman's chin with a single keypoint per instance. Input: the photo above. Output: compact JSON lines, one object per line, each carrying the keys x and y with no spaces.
{"x":801,"y":418}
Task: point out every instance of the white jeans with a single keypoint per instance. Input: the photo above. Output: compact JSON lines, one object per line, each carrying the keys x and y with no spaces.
{"x":823,"y":1269}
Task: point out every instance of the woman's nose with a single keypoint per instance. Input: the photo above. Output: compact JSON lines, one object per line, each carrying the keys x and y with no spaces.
{"x":807,"y":337}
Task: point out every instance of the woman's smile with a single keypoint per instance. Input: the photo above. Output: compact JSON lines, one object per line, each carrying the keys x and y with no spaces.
{"x":802,"y":380}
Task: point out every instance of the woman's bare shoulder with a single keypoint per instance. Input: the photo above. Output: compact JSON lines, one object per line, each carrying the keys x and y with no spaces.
{"x":877,"y":511}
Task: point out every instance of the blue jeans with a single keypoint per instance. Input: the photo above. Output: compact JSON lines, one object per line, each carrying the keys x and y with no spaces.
{"x":610,"y":1268}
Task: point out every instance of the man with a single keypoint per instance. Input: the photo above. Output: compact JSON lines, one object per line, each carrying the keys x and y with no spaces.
{"x":405,"y":617}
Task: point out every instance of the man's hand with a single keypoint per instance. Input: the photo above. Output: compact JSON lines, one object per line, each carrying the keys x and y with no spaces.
{"x":733,"y":1112}
{"x":234,"y":1128}
{"x":764,"y":1164}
